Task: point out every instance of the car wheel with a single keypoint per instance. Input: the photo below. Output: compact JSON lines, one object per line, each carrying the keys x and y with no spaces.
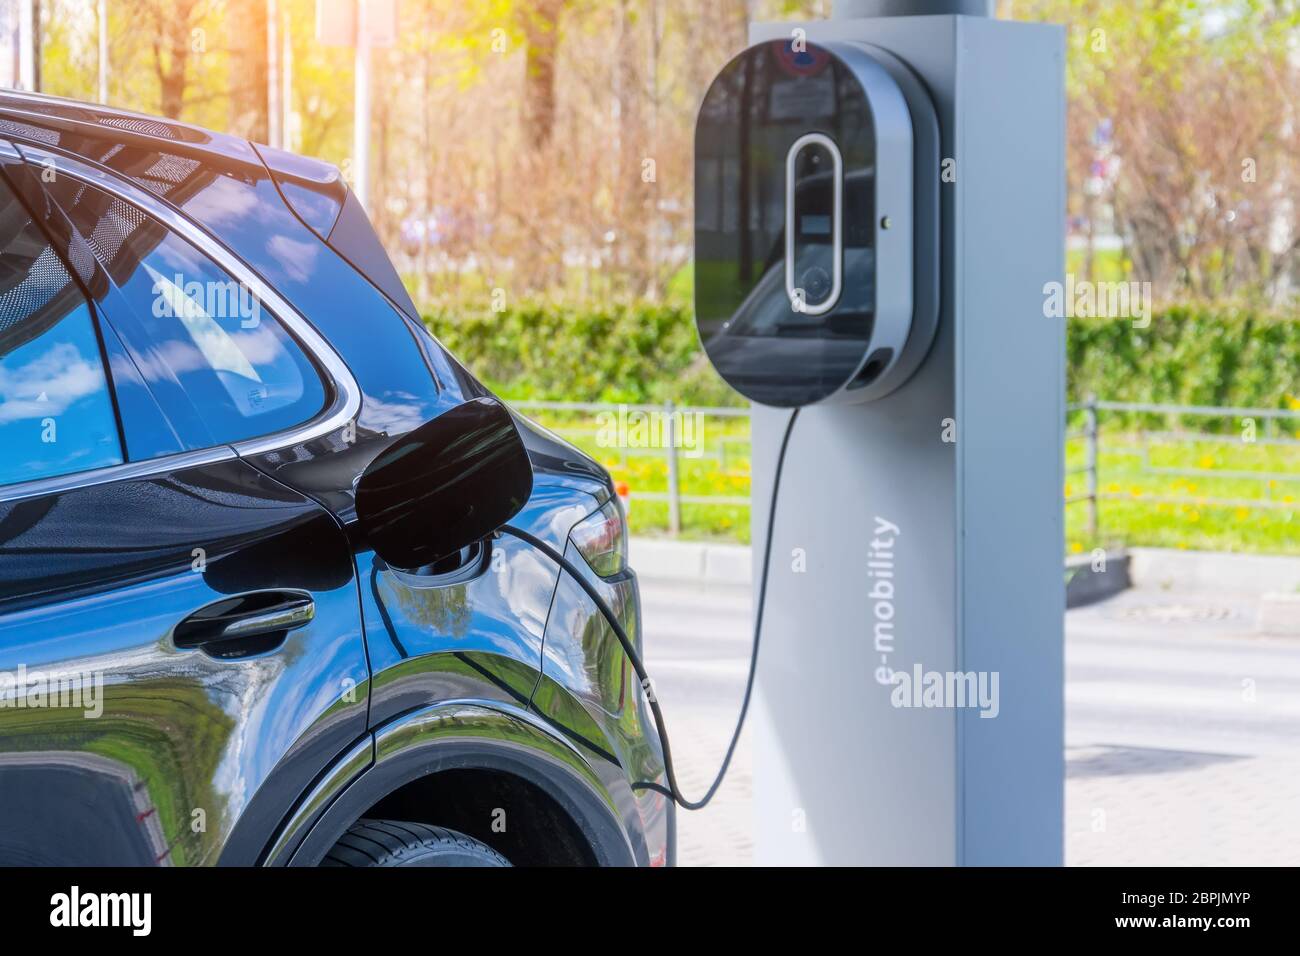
{"x":389,"y":843}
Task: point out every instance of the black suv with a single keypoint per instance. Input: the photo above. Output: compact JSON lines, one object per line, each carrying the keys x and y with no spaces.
{"x":225,"y":637}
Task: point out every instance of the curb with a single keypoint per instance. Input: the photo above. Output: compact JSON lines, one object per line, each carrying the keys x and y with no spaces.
{"x":690,"y":561}
{"x":1278,"y":577}
{"x":1083,"y":585}
{"x":1214,"y":571}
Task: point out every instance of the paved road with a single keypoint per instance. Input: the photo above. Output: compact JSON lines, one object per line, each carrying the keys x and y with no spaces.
{"x":1182,"y":727}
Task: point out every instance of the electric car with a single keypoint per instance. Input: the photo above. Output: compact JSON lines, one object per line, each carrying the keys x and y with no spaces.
{"x":228,"y":634}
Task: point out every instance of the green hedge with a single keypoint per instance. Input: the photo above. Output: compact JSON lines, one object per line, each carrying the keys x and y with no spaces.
{"x":649,"y":353}
{"x":632,"y":353}
{"x":1188,"y":356}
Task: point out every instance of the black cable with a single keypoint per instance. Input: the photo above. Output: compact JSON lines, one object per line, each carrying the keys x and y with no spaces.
{"x":673,"y":791}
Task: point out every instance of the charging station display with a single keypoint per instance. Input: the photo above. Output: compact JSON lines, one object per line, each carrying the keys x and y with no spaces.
{"x":803,"y":288}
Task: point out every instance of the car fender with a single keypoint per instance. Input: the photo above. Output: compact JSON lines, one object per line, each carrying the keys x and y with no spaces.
{"x":463,"y":734}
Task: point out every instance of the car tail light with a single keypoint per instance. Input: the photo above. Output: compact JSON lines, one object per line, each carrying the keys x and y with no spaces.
{"x":601,"y":538}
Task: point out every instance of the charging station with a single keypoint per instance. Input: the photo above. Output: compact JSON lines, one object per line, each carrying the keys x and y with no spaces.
{"x":880,"y":202}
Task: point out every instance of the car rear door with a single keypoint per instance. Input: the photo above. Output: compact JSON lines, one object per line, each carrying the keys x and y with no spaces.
{"x":180,"y":641}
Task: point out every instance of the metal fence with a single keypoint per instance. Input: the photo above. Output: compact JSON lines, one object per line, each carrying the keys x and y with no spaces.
{"x":669,"y":447}
{"x":1250,"y":426}
{"x":1267,"y":427}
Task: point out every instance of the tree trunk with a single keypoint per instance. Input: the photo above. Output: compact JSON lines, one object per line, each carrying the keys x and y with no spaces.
{"x":542,"y":30}
{"x":172,"y":32}
{"x":247,"y":30}
{"x":631,"y":214}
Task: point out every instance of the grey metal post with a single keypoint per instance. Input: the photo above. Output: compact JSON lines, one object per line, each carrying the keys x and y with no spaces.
{"x":674,"y":491}
{"x":922,"y":533}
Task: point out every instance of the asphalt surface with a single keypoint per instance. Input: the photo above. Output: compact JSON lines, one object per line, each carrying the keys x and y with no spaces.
{"x":1182,"y":727}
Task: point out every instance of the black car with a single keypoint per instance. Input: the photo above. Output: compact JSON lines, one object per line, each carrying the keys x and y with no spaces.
{"x":214,"y":647}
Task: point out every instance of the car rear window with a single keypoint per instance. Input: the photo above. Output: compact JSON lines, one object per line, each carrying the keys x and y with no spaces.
{"x":56,"y":411}
{"x":221,"y":366}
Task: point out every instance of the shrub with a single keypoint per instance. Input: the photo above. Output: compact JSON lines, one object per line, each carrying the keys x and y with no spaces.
{"x":645,"y":352}
{"x":623,"y":352}
{"x":1189,"y":355}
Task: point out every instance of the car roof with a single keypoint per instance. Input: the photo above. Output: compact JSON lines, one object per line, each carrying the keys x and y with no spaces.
{"x":43,"y":119}
{"x":27,"y":114}
{"x":172,"y":159}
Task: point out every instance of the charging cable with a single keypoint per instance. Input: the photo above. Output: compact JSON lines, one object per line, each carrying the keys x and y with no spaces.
{"x":673,"y":791}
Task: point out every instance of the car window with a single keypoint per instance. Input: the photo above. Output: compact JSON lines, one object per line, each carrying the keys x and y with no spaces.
{"x":221,"y":366}
{"x":56,"y":411}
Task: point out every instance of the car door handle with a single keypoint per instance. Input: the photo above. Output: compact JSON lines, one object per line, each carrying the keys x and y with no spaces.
{"x":247,"y":624}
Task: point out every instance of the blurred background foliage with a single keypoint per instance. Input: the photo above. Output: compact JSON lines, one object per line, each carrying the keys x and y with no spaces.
{"x":531,"y":169}
{"x":543,"y":147}
{"x":1188,"y":355}
{"x":515,"y":352}
{"x":531,"y":173}
{"x":1183,"y":143}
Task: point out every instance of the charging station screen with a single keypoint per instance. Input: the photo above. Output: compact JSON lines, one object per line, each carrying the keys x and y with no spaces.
{"x":784,"y":294}
{"x":816,"y":253}
{"x":814,"y":225}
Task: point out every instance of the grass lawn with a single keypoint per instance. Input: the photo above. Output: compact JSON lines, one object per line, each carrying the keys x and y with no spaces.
{"x":1134,"y":468}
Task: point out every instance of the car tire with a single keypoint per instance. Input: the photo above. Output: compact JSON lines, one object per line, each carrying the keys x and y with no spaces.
{"x":390,"y":843}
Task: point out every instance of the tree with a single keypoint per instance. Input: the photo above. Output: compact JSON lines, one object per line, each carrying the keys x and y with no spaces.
{"x":174,"y":35}
{"x":1201,"y":98}
{"x":540,"y":22}
{"x":246,"y":29}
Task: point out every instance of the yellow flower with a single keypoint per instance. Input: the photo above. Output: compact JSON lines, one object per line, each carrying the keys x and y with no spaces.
{"x":1207,"y":461}
{"x":1076,"y":547}
{"x":1194,"y":516}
